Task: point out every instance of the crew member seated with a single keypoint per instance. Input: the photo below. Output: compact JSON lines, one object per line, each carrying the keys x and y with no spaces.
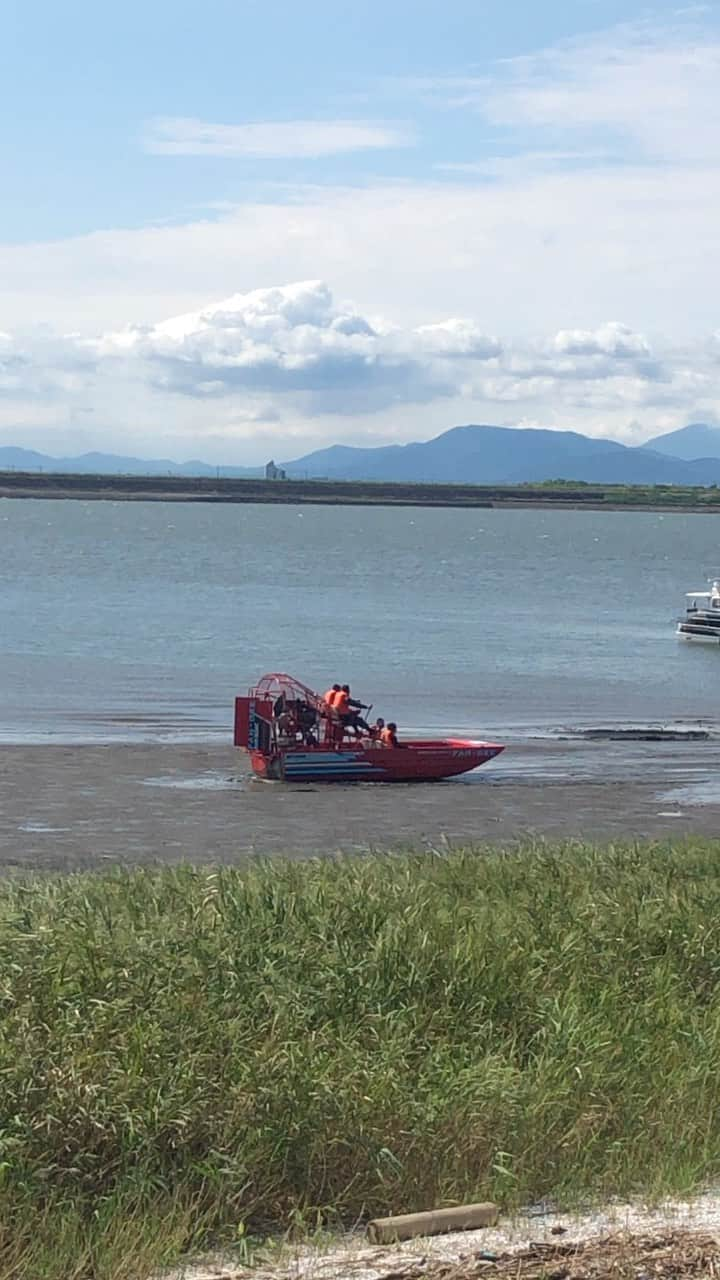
{"x":388,"y":736}
{"x":375,"y":732}
{"x":307,"y":718}
{"x":286,"y":727}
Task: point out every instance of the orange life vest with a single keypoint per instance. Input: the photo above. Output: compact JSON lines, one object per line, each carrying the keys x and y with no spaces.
{"x":341,"y":703}
{"x":329,"y":697}
{"x":387,"y":737}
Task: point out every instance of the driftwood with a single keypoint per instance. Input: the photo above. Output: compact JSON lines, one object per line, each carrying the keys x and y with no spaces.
{"x":406,"y":1226}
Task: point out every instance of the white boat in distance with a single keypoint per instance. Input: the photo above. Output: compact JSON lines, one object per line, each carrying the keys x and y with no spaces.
{"x":702,"y":616}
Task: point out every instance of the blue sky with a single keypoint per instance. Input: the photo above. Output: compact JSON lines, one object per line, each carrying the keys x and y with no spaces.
{"x":81,"y":82}
{"x":506,"y":213}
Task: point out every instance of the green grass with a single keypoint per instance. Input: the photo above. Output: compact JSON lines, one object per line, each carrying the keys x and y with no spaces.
{"x":187,"y":1054}
{"x":644,"y":495}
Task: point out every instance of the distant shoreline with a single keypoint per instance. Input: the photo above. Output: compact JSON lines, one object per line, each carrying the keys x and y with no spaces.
{"x":113,"y":488}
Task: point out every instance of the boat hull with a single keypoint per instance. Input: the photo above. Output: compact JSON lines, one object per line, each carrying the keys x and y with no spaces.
{"x":423,"y":761}
{"x":699,"y":634}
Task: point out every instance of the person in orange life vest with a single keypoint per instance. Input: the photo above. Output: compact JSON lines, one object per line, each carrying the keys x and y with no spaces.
{"x":341,"y":702}
{"x":329,"y":712}
{"x":388,"y":736}
{"x":348,"y":708}
{"x":341,"y":711}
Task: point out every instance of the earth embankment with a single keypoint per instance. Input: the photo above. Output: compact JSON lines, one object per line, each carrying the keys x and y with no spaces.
{"x":121,"y":488}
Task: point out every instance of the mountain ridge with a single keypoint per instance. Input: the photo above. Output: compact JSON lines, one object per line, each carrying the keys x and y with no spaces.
{"x":506,"y":455}
{"x":15,"y":458}
{"x":697,"y":440}
{"x":467,"y":454}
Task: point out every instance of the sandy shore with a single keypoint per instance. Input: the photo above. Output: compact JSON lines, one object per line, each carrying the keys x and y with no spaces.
{"x":73,"y":807}
{"x":676,"y":1223}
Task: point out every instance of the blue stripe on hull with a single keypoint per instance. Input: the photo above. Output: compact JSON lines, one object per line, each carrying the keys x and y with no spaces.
{"x":324,"y":768}
{"x":330,"y":768}
{"x":308,"y":774}
{"x":349,"y":767}
{"x":330,"y":764}
{"x":331,"y":757}
{"x":355,"y":758}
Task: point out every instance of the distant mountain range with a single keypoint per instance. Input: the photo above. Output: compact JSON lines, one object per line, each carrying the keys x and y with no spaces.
{"x":14,"y":459}
{"x":504,"y":455}
{"x":467,"y":455}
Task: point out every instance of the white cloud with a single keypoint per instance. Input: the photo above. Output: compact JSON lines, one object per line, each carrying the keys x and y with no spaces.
{"x":544,"y":252}
{"x":648,"y":88}
{"x":295,"y":339}
{"x":301,"y":139}
{"x":266,"y":366}
{"x":457,"y":338}
{"x":611,"y":339}
{"x":42,"y":364}
{"x":603,"y":205}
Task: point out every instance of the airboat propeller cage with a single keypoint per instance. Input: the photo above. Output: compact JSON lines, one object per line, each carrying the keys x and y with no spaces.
{"x":254,"y":713}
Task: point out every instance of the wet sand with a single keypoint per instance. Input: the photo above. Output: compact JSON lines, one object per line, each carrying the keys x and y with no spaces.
{"x":79,"y":807}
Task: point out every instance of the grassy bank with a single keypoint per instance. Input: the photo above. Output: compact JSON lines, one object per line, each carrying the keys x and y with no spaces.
{"x":184,"y":1052}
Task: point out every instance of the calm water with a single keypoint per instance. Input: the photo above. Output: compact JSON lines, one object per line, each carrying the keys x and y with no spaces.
{"x":131,"y":620}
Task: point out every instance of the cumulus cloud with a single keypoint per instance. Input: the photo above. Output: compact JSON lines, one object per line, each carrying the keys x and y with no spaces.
{"x":275,"y":360}
{"x":575,"y":358}
{"x":297,"y":339}
{"x":611,"y":350}
{"x":457,"y":339}
{"x":299,"y":139}
{"x":40,"y":363}
{"x":611,"y":339}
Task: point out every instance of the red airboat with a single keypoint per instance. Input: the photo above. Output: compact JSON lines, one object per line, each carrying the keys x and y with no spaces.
{"x":292,"y":736}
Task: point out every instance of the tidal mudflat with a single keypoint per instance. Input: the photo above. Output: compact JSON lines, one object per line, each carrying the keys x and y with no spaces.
{"x":79,"y":807}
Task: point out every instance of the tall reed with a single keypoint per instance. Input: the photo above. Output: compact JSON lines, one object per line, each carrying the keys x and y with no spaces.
{"x":189,"y":1051}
